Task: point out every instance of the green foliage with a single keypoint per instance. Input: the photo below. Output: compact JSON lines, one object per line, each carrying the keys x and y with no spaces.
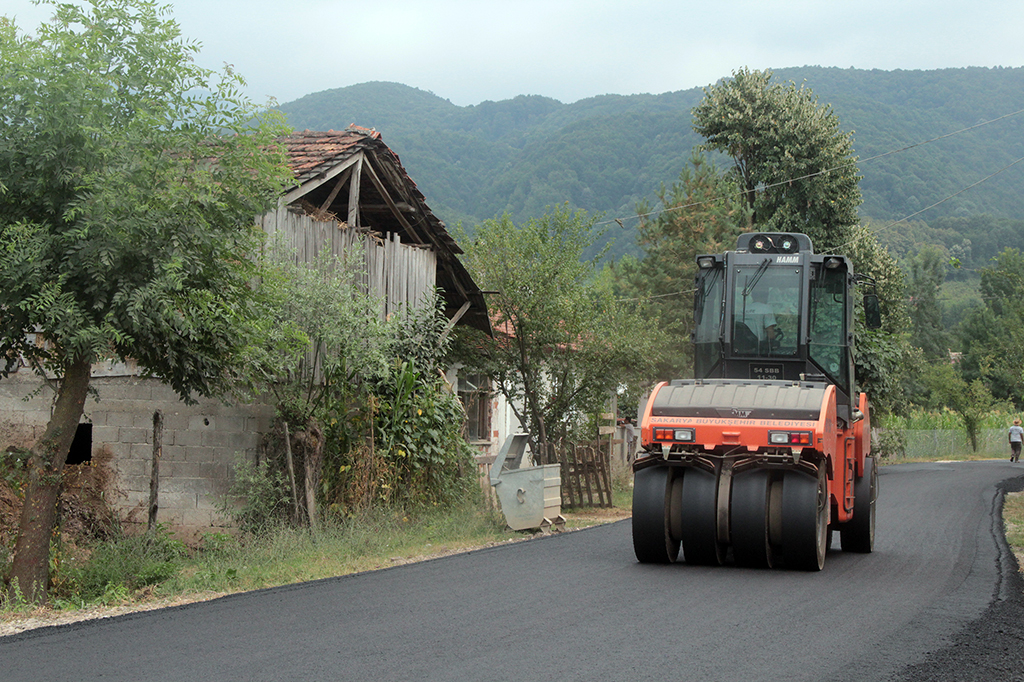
{"x":891,"y":443}
{"x":890,"y":109}
{"x":362,"y":396}
{"x":13,"y":464}
{"x":561,"y":344}
{"x":971,"y":400}
{"x":322,"y":332}
{"x":927,"y":273}
{"x":793,"y":163}
{"x":259,"y":497}
{"x":359,"y":541}
{"x":884,"y":357}
{"x":131,"y":178}
{"x":970,"y":241}
{"x":135,"y":568}
{"x":419,"y":422}
{"x":701,"y":213}
{"x":118,"y":567}
{"x":958,"y":299}
{"x":992,"y":337}
{"x":607,"y":153}
{"x":395,"y":437}
{"x":118,"y":235}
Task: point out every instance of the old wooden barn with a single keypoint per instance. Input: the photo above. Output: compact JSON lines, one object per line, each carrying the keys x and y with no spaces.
{"x":350,"y":191}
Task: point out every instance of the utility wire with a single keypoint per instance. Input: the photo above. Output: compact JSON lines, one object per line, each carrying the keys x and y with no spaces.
{"x":811,"y":175}
{"x":840,"y":167}
{"x":840,"y":247}
{"x":646,"y":298}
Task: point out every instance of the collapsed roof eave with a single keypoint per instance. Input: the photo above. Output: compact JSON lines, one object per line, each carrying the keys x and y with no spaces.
{"x":352,"y":173}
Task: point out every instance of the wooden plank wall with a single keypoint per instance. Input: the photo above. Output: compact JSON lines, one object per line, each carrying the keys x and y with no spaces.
{"x":397,"y":273}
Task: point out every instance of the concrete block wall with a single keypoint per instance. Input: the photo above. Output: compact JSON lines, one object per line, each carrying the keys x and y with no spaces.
{"x":200,"y":442}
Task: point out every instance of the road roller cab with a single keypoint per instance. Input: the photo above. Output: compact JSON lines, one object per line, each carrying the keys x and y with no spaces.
{"x":766,"y":452}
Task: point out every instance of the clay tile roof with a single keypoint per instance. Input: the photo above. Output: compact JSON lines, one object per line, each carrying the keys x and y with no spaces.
{"x":312,"y":152}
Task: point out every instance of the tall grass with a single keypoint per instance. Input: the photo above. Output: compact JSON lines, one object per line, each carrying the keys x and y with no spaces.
{"x":945,"y":420}
{"x":927,"y":435}
{"x":131,"y":568}
{"x":373,"y":539}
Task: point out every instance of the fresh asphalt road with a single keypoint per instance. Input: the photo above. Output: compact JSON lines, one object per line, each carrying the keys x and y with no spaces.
{"x":577,"y":606}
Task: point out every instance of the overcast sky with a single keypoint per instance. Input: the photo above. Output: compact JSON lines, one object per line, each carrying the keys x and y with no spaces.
{"x":469,"y":51}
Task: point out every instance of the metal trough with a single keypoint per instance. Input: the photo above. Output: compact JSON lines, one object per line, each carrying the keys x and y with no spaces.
{"x":530,"y":497}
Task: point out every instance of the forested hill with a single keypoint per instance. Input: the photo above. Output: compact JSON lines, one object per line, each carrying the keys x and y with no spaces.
{"x":607,"y":153}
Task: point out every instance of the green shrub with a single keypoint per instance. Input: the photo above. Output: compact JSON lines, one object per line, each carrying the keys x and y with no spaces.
{"x":13,"y":463}
{"x":420,"y":436}
{"x":122,"y":565}
{"x":259,"y":497}
{"x":891,"y":443}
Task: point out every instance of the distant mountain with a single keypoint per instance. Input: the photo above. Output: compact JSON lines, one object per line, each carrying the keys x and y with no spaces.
{"x":607,"y":153}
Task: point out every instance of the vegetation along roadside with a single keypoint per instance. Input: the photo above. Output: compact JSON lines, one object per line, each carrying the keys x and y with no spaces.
{"x":104,"y":567}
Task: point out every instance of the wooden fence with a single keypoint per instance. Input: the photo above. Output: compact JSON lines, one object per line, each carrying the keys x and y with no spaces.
{"x":483,"y":473}
{"x":585,"y":471}
{"x":586,"y":474}
{"x":397,"y":274}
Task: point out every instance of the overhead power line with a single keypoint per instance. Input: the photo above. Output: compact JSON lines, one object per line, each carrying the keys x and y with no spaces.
{"x":846,"y":165}
{"x":926,"y":208}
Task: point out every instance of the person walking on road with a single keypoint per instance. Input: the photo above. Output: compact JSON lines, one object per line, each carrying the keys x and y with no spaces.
{"x":1016,"y":436}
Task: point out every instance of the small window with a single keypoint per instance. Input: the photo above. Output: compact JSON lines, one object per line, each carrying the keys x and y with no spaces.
{"x":828,"y":325}
{"x":475,"y":394}
{"x":81,"y":446}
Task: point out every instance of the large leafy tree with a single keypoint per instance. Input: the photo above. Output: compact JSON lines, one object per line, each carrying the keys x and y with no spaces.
{"x":794,"y":164}
{"x":927,"y":272}
{"x":970,"y":400}
{"x":700,"y":213}
{"x":884,"y":357}
{"x":130,"y":181}
{"x":560,"y":343}
{"x":992,"y":336}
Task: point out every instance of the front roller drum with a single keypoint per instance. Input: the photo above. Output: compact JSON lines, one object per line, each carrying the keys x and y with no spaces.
{"x":805,"y":508}
{"x":653,"y":541}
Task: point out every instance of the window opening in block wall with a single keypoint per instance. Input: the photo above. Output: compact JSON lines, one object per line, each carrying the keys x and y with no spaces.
{"x":475,"y":393}
{"x":81,"y":446}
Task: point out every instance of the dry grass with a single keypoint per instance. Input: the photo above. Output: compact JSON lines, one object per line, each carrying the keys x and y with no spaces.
{"x":1013,"y":524}
{"x":291,"y":570}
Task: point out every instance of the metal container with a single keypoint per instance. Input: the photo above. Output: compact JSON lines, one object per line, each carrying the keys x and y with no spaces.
{"x":530,"y":497}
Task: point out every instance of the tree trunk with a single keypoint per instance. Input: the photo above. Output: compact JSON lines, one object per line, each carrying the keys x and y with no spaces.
{"x":296,"y":516}
{"x":30,"y":570}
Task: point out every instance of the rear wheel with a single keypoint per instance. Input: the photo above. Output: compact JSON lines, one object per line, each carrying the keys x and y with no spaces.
{"x":652,"y":538}
{"x":805,"y":520}
{"x":699,"y":517}
{"x":748,"y":519}
{"x":858,"y":534}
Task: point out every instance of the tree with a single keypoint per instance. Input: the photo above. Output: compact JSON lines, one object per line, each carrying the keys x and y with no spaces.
{"x":971,"y":400}
{"x":927,"y":273}
{"x":992,"y":336}
{"x":322,"y":335}
{"x":884,"y":357}
{"x":793,"y":163}
{"x":560,"y":344}
{"x":131,"y":179}
{"x":701,"y":213}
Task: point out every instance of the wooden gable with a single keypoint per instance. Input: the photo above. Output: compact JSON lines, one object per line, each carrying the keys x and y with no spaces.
{"x":351,"y":178}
